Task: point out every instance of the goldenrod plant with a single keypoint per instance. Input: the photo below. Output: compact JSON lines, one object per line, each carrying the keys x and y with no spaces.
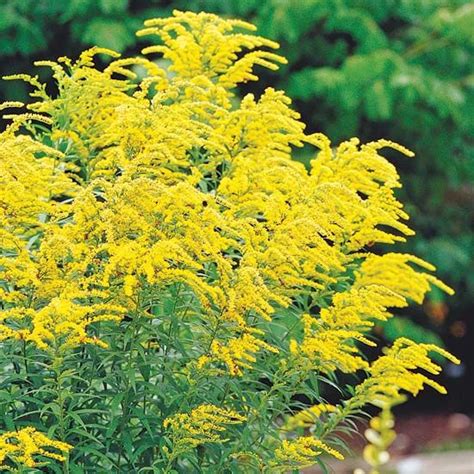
{"x":178,"y":293}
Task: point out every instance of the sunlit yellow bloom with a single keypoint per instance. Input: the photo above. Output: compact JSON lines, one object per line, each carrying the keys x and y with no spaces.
{"x":215,"y":53}
{"x":22,"y":446}
{"x":396,"y":372}
{"x":327,"y":349}
{"x":302,"y":452}
{"x":308,"y":417}
{"x":238,"y":353}
{"x":204,"y":424}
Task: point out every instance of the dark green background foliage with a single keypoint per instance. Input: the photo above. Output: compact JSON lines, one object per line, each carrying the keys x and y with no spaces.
{"x":398,"y":69}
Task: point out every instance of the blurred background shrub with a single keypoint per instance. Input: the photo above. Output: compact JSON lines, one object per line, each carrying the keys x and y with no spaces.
{"x":401,"y":69}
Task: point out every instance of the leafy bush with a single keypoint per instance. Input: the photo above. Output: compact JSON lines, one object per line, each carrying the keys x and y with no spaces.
{"x":177,"y":292}
{"x":367,"y":68}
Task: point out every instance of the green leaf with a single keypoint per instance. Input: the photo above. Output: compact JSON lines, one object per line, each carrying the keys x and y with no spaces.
{"x":127,"y":442}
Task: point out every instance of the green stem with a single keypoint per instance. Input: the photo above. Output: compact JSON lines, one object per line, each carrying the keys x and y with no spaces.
{"x":60,"y":400}
{"x":351,"y":406}
{"x":134,"y":325}
{"x":169,"y":466}
{"x":25,"y":360}
{"x":174,"y":317}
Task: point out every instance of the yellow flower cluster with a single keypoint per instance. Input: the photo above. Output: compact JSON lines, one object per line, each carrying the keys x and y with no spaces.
{"x":328,"y":349}
{"x":396,"y":371}
{"x":61,"y":321}
{"x":204,"y":424}
{"x":238,"y":353}
{"x":21,"y":447}
{"x":21,"y":174}
{"x":308,"y":417}
{"x":302,"y":452}
{"x":216,"y":52}
{"x":380,"y":283}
